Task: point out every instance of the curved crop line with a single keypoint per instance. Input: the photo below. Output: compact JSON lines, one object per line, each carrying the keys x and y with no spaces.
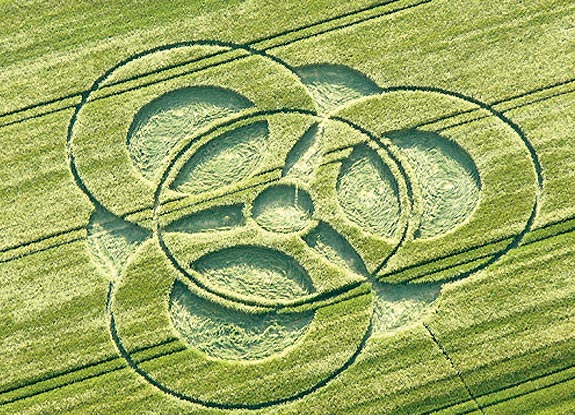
{"x":483,"y":105}
{"x":255,"y":185}
{"x":404,"y":177}
{"x":322,"y":296}
{"x":165,"y":175}
{"x":369,"y":134}
{"x":487,"y":107}
{"x":108,"y":359}
{"x":96,"y":85}
{"x":250,"y":43}
{"x":246,"y":47}
{"x":430,"y":89}
{"x":105,"y":360}
{"x":515,"y":242}
{"x":254,"y":42}
{"x":112,"y":358}
{"x":452,"y":115}
{"x":402,"y":169}
{"x":530,"y":148}
{"x":185,"y":148}
{"x":157,"y":194}
{"x":217,"y":405}
{"x":550,"y":225}
{"x":253,"y":52}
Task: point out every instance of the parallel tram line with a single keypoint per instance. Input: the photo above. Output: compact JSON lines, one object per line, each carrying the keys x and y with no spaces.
{"x":248,"y":47}
{"x":271,"y":37}
{"x":479,"y":398}
{"x":253,"y":43}
{"x":61,"y":233}
{"x":118,"y":363}
{"x":105,"y":360}
{"x":13,"y":252}
{"x":538,"y":90}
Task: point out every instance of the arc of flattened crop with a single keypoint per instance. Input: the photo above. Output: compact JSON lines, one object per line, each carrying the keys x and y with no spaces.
{"x":115,"y":336}
{"x":301,"y":164}
{"x":168,"y":119}
{"x":166,"y":389}
{"x":336,"y":86}
{"x":305,"y":143}
{"x":212,"y":404}
{"x":248,"y":142}
{"x":85,"y":96}
{"x":429,"y":155}
{"x":305,"y":156}
{"x":85,"y":189}
{"x":526,"y":142}
{"x":362,"y":86}
{"x":406,"y":182}
{"x":375,"y":182}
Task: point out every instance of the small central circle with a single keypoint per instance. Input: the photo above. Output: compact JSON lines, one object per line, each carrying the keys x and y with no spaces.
{"x":283,"y":208}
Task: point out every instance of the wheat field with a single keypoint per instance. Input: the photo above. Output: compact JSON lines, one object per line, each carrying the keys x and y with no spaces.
{"x":319,"y":207}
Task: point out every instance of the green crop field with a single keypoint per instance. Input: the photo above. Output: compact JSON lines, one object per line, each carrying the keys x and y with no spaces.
{"x":268,"y":208}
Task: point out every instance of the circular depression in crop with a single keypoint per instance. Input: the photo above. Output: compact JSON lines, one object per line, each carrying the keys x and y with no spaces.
{"x":167,"y":120}
{"x":232,"y":334}
{"x":368,"y":192}
{"x":255,"y":271}
{"x":446,"y":177}
{"x":283,"y":208}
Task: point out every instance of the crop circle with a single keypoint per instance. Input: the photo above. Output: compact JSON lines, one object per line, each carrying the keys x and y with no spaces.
{"x":277,"y":211}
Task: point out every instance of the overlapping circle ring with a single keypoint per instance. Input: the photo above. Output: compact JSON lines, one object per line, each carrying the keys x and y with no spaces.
{"x":262,"y":224}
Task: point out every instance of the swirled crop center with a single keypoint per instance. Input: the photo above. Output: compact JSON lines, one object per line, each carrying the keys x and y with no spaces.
{"x":283,"y":208}
{"x":445,"y":176}
{"x":167,"y":120}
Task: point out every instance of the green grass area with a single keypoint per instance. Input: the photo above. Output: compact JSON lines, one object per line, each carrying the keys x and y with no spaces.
{"x":315,"y":207}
